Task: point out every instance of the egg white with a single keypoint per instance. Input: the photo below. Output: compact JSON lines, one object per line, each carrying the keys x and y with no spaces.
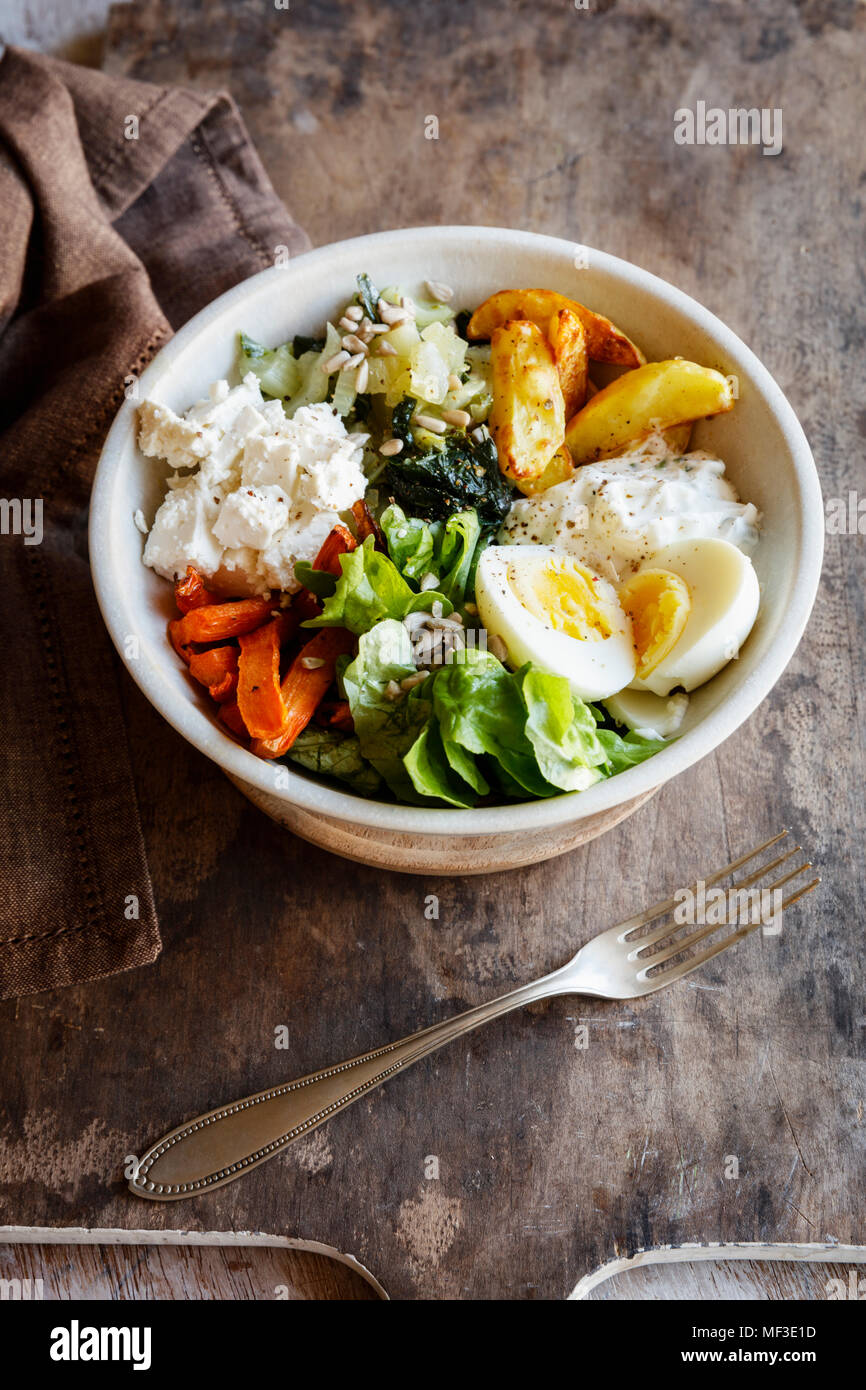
{"x":593,"y":668}
{"x":725,"y":596}
{"x":656,"y":716}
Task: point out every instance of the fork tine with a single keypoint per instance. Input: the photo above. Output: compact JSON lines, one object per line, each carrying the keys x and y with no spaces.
{"x":642,"y":919}
{"x":667,"y":928}
{"x":678,"y":972}
{"x":766,"y":868}
{"x":685,"y":943}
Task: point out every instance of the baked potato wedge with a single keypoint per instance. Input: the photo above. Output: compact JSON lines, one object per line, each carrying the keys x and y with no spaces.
{"x":557,"y":470}
{"x":567,"y":336}
{"x":677,"y":439}
{"x":604,"y":341}
{"x":656,"y":396}
{"x":527,"y":418}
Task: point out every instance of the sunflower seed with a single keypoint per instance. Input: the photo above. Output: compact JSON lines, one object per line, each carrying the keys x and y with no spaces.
{"x":413,"y":621}
{"x":334,"y":363}
{"x":460,"y":418}
{"x":497,"y":647}
{"x":411,"y":681}
{"x":391,"y":447}
{"x":441,"y":293}
{"x":392,"y":314}
{"x":352,"y":343}
{"x":351,"y":362}
{"x":362,"y":377}
{"x":347,"y":323}
{"x":393,"y":691}
{"x":429,"y":422}
{"x":454,"y":382}
{"x":386,"y":350}
{"x":312,"y":663}
{"x":355,"y":312}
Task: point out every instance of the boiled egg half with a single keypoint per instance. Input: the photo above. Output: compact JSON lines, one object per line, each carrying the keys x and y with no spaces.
{"x":692,"y":606}
{"x":550,"y":609}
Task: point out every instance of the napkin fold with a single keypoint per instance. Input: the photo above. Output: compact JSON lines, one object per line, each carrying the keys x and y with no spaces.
{"x":124,"y":209}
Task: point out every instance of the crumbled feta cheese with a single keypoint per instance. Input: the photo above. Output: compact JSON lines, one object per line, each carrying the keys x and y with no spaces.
{"x":266,"y":491}
{"x":182,"y":533}
{"x":251,"y":517}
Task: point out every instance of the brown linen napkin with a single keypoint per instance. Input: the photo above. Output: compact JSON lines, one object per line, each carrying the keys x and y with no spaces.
{"x":124,"y":208}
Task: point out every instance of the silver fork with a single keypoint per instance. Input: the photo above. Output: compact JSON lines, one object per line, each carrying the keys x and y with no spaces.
{"x":223,"y":1144}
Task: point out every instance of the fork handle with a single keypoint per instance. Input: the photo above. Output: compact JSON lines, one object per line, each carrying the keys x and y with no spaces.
{"x":223,"y":1144}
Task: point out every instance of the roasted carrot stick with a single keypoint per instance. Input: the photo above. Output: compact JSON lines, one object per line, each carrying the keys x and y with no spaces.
{"x":335,"y":714}
{"x":177,"y":639}
{"x":260,"y":699}
{"x":190,"y":592}
{"x":305,"y":685}
{"x":305,"y":605}
{"x":338,"y":542}
{"x":216,"y":622}
{"x":366,"y":525}
{"x":218,"y":670}
{"x":231,"y":717}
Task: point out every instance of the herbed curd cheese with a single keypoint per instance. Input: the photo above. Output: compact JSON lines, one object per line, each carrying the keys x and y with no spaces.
{"x":264,"y":492}
{"x":614,"y":515}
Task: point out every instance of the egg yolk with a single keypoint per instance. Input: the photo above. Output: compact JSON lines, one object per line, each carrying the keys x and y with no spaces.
{"x":565,"y":596}
{"x":658,"y":604}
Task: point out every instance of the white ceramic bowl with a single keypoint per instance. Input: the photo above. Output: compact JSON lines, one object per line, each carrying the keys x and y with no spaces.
{"x":761,"y":441}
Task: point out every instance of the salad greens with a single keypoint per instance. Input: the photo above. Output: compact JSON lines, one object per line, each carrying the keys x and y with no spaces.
{"x":370,"y":589}
{"x":386,"y":728}
{"x":449,"y":550}
{"x":461,"y":472}
{"x":625,"y":751}
{"x":471,"y":724}
{"x":334,"y":754}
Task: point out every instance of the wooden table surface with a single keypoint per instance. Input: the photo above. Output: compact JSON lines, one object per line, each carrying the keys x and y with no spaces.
{"x":516,"y":1162}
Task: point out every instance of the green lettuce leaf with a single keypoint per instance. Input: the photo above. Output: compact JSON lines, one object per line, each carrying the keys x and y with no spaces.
{"x":411,"y":542}
{"x":386,"y":729}
{"x":479,"y":707}
{"x":431,"y":771}
{"x":448,"y":549}
{"x":371,"y":589}
{"x":456,"y":556}
{"x":333,"y":754}
{"x":622,"y":752}
{"x":319,"y":582}
{"x":562,"y":731}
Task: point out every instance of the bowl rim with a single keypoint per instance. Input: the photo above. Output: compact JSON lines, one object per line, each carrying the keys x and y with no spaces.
{"x":318,"y":798}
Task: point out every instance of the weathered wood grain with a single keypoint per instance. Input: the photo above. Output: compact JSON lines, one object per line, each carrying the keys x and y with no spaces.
{"x":551,"y":1159}
{"x":117,"y":1272}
